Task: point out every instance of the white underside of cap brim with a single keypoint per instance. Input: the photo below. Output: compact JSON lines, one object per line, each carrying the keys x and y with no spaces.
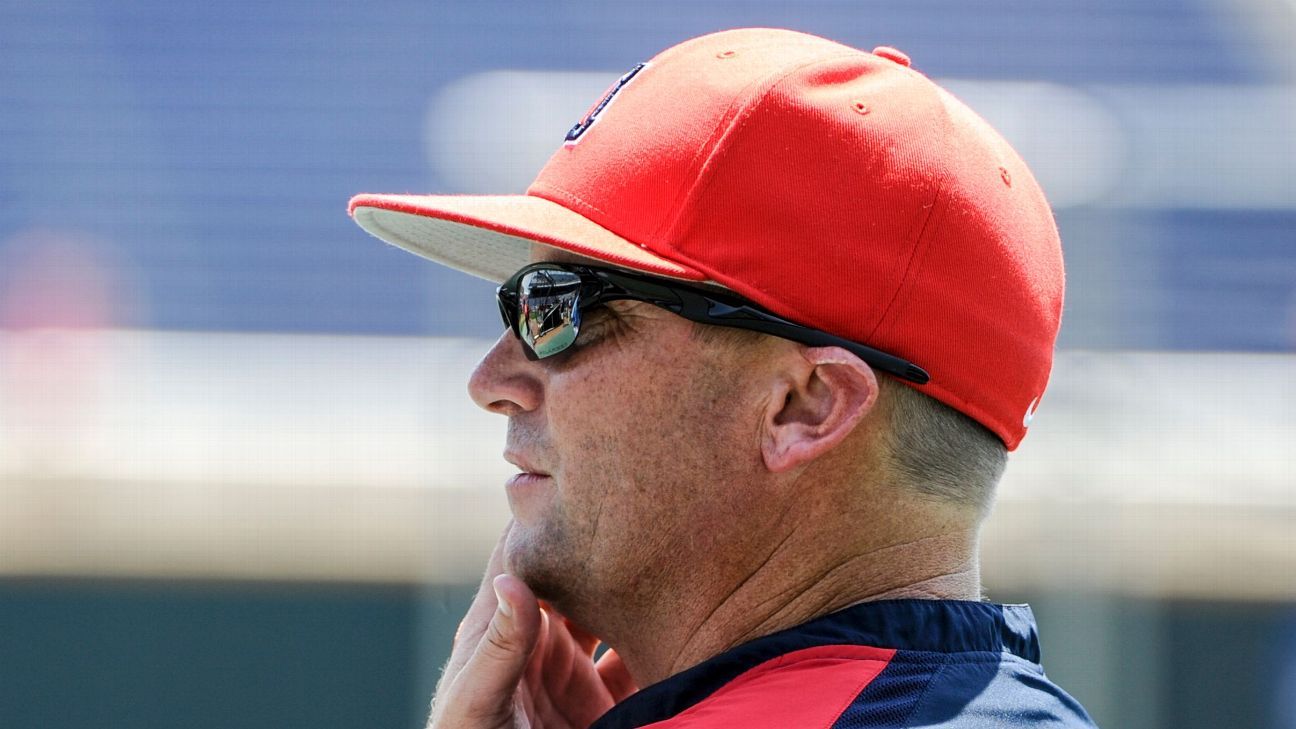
{"x":490,"y":236}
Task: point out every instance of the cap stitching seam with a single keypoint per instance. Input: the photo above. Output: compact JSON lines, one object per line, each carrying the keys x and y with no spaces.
{"x":618,"y":220}
{"x":919,"y":249}
{"x":699,"y":160}
{"x":734,"y":128}
{"x":580,"y":202}
{"x":934,"y":387}
{"x":724,"y":127}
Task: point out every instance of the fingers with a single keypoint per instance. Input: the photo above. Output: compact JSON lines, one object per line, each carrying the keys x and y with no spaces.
{"x":495,"y":565}
{"x":514,"y":654}
{"x":587,"y":641}
{"x":482,"y":693}
{"x":615,"y":676}
{"x":562,"y":680}
{"x":485,"y":602}
{"x":535,"y":666}
{"x":479,"y":614}
{"x":510,"y":636}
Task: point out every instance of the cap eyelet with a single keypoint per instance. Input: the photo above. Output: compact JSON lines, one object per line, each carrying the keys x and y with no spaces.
{"x":1007,"y":178}
{"x":726,"y":54}
{"x":893,"y":55}
{"x":860,"y":107}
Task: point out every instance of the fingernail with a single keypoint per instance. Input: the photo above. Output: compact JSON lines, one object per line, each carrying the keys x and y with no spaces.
{"x":504,"y":606}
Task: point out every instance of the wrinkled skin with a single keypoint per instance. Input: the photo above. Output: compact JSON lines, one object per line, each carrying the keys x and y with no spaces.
{"x":528,"y":669}
{"x":663,"y":461}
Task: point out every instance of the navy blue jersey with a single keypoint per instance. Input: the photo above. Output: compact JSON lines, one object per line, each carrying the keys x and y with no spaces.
{"x":895,"y":663}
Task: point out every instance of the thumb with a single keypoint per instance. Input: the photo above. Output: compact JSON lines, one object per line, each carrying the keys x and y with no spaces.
{"x":485,"y":688}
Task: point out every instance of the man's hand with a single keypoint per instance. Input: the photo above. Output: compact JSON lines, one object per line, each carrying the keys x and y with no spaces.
{"x":518,"y":663}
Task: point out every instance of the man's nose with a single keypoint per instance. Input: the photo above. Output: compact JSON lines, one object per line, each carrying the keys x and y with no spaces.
{"x":504,"y":381}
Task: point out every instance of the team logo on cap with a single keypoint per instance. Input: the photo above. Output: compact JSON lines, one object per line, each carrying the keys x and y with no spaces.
{"x":574,"y":134}
{"x":1029,"y":417}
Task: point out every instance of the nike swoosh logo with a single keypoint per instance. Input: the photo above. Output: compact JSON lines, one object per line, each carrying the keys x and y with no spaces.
{"x":1030,"y":413}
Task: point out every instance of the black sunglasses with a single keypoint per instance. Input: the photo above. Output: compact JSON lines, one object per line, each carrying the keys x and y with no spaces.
{"x":542,"y":305}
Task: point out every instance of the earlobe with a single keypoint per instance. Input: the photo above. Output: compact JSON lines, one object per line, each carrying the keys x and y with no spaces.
{"x":818,"y":408}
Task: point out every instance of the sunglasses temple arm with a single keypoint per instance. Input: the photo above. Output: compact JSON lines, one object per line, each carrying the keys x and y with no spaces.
{"x":771,"y":324}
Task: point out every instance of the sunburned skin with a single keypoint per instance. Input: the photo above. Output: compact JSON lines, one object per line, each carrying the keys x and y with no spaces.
{"x":608,"y":549}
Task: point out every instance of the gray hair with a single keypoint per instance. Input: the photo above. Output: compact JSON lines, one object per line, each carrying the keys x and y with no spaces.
{"x":940,"y":452}
{"x":932,"y":449}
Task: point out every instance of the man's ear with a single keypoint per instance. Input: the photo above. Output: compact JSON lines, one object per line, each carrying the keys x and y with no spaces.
{"x":819,"y":404}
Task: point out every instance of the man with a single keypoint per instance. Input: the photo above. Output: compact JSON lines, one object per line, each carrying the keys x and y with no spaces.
{"x":776,"y":311}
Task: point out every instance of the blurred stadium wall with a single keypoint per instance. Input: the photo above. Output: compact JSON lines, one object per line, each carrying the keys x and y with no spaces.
{"x":241,"y":483}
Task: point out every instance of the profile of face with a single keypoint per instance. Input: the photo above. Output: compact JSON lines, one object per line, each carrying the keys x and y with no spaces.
{"x":642,"y":430}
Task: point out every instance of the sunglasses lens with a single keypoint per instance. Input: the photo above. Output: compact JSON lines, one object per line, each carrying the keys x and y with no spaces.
{"x":548,"y":311}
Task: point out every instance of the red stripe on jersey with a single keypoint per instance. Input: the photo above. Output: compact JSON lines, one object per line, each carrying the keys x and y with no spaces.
{"x":807,"y":688}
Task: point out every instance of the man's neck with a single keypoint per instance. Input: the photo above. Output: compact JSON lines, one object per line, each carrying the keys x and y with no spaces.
{"x":791,"y":587}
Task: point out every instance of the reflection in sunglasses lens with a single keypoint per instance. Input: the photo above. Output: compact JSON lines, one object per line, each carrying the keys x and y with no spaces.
{"x":549,"y":313}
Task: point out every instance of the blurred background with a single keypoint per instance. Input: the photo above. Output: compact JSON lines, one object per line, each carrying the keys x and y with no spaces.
{"x":241,"y":482}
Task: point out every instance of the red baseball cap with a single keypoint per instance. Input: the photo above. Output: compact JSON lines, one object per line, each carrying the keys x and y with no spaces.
{"x":837,"y":188}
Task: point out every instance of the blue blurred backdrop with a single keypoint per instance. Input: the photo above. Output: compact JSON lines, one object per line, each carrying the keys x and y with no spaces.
{"x":209,"y":148}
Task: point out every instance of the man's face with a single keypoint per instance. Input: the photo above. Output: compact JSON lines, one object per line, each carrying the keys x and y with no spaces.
{"x":642,"y":430}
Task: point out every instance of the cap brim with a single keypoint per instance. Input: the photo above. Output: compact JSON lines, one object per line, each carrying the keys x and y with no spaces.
{"x":490,"y":236}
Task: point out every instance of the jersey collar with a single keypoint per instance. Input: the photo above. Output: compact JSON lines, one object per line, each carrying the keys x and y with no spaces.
{"x":938,"y":626}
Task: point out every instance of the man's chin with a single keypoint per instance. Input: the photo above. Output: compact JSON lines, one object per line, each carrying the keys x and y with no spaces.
{"x":553,"y":577}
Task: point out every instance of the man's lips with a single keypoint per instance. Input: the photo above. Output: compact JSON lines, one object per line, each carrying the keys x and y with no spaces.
{"x":529,"y":472}
{"x":524,"y":480}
